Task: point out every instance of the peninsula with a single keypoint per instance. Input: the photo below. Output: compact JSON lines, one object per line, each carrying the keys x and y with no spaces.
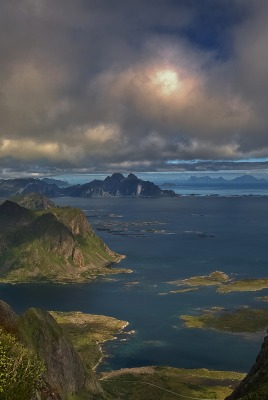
{"x":48,"y":243}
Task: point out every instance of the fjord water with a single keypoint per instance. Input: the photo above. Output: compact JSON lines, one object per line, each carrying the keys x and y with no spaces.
{"x":166,"y":239}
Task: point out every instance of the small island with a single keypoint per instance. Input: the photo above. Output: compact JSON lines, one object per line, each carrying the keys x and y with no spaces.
{"x":242,"y":320}
{"x":222,"y":282}
{"x":244,"y":285}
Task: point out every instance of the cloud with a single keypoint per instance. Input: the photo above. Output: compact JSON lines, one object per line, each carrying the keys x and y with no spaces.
{"x":90,"y":85}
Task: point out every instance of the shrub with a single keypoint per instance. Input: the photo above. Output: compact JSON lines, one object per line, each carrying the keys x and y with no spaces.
{"x":20,"y":369}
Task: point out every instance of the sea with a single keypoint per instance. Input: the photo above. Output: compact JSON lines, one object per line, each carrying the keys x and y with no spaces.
{"x":167,"y":239}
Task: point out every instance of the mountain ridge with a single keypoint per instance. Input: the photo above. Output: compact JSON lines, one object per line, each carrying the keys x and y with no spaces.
{"x":51,"y":244}
{"x":115,"y":185}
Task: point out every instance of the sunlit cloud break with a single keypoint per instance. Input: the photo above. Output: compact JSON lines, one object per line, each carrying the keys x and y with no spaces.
{"x":142,"y":92}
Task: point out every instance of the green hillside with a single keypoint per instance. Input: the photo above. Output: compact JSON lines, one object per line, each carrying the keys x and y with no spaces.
{"x":50,"y":244}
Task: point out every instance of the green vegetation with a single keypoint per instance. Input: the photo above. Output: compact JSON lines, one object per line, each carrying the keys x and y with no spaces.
{"x":244,"y":320}
{"x":86,"y":331}
{"x":214,"y":279}
{"x":244,"y":285}
{"x":166,"y":383}
{"x":20,"y":370}
{"x":51,"y":244}
{"x":33,"y":201}
{"x":222,"y":281}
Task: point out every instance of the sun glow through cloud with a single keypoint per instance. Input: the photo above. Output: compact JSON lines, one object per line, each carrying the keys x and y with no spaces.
{"x":167,"y":81}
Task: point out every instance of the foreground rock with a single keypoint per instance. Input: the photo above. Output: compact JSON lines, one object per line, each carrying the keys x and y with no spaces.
{"x":255,"y":384}
{"x":65,"y":376}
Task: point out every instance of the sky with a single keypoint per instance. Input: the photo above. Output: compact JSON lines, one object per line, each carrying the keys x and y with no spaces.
{"x":133,"y":85}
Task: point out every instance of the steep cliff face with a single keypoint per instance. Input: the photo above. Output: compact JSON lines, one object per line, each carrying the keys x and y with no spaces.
{"x":55,"y":244}
{"x":255,"y":384}
{"x":65,"y":372}
{"x":8,"y":319}
{"x":65,"y":376}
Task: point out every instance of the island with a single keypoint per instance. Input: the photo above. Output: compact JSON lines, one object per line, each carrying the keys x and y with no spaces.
{"x":116,"y":185}
{"x":222,"y":282}
{"x":242,"y":320}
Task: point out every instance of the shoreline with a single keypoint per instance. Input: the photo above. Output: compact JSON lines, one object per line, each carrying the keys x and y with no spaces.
{"x":101,"y":343}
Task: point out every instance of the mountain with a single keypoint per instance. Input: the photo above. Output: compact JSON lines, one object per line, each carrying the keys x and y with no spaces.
{"x":51,"y":244}
{"x":255,"y":385}
{"x":33,"y":201}
{"x":119,"y":186}
{"x":65,"y":376}
{"x":249,"y":179}
{"x":42,"y":187}
{"x":57,"y":182}
{"x":9,"y":187}
{"x":115,"y":185}
{"x":240,"y":180}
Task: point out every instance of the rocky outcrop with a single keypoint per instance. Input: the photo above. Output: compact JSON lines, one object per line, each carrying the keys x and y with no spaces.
{"x":8,"y":319}
{"x":255,"y":385}
{"x":34,"y":201}
{"x":119,"y":186}
{"x":65,"y":374}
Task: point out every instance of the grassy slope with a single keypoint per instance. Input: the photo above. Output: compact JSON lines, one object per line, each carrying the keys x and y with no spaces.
{"x":146,"y":383}
{"x":39,"y":250}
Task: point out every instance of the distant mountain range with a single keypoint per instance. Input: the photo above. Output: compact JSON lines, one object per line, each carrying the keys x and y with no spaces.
{"x":244,"y":180}
{"x":116,"y":185}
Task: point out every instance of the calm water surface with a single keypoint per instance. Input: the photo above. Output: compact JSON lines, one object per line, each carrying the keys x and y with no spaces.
{"x":166,"y":239}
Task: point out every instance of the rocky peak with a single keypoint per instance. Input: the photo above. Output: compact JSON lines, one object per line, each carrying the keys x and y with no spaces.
{"x":116,"y":177}
{"x":34,"y":201}
{"x":74,"y":219}
{"x":11,"y":208}
{"x":13,"y":214}
{"x":8,"y":319}
{"x":132,"y":177}
{"x":50,"y":190}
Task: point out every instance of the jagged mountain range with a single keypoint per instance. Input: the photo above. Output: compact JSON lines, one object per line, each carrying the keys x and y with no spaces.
{"x":115,"y":185}
{"x":119,"y":186}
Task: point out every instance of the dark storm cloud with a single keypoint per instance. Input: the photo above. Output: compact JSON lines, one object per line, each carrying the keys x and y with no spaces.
{"x":95,"y":84}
